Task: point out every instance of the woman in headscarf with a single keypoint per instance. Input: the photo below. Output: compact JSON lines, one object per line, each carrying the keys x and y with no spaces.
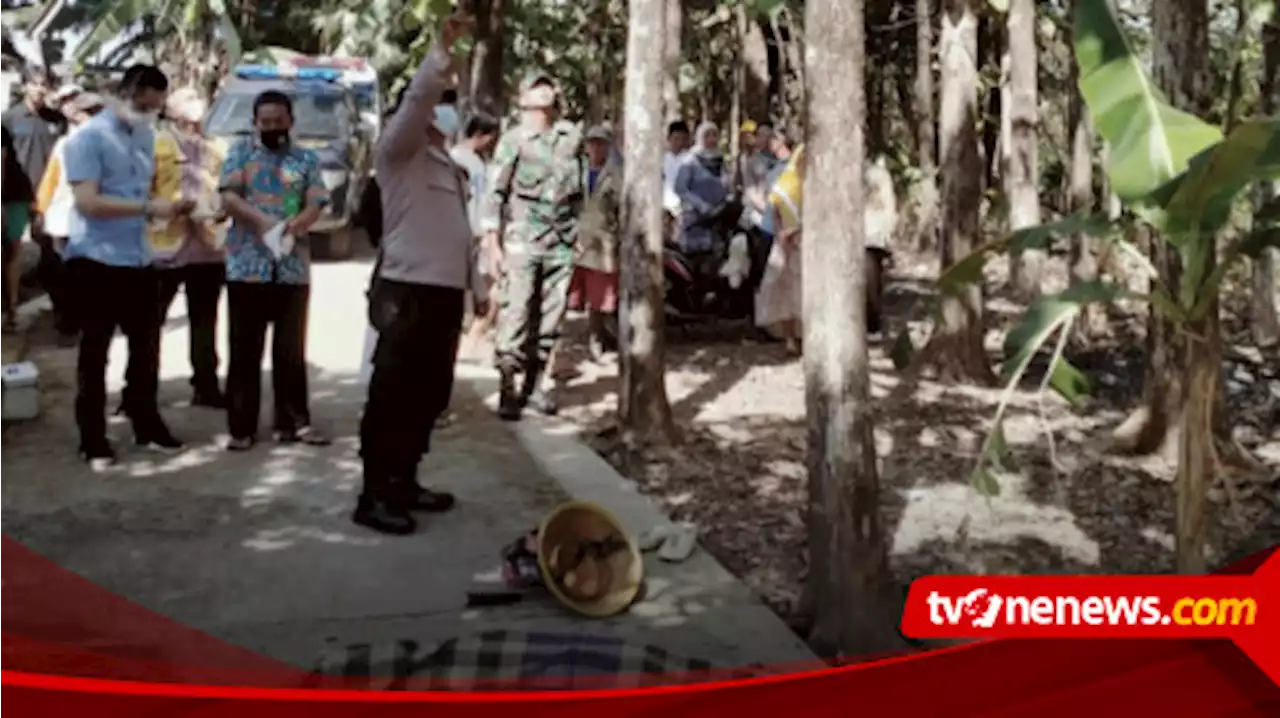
{"x":702,"y":187}
{"x":778,"y":303}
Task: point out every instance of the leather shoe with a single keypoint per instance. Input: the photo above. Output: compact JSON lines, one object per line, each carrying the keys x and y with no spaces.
{"x":433,"y":502}
{"x":383,"y":518}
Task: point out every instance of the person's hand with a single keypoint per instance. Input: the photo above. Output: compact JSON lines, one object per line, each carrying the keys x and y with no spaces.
{"x":296,"y":227}
{"x":184,"y":206}
{"x":495,"y":255}
{"x":457,"y":25}
{"x":165,"y":209}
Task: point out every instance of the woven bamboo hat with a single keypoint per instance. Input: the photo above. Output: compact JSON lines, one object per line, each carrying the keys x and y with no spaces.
{"x":587,"y":561}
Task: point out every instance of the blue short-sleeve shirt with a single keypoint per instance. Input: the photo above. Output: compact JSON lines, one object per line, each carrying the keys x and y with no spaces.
{"x":265,"y":178}
{"x":120,"y":158}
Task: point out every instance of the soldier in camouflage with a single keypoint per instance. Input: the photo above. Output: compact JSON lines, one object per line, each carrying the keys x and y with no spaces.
{"x":529,"y":219}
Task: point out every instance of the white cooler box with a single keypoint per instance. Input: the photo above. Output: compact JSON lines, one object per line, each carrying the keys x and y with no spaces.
{"x":21,"y":391}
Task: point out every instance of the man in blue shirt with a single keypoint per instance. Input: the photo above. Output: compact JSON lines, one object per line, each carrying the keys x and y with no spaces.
{"x":266,"y":181}
{"x":109,"y":163}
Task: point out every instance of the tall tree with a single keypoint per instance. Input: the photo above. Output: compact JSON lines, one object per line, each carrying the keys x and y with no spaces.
{"x":1180,"y":50}
{"x":1080,"y":195}
{"x":956,"y":347}
{"x":926,"y":136}
{"x":671,"y":62}
{"x":1022,"y":171}
{"x":486,"y":56}
{"x":848,"y":584}
{"x":1266,"y":326}
{"x":643,"y":406}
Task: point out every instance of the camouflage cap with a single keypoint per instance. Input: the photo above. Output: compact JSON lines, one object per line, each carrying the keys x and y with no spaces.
{"x":534,"y":77}
{"x":600,"y":132}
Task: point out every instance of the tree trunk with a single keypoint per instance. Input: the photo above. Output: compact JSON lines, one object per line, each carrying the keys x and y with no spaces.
{"x":643,"y":407}
{"x":593,"y":16}
{"x":671,"y":63}
{"x":926,"y":136}
{"x":1080,"y":198}
{"x":849,"y":584}
{"x":1022,"y":171}
{"x":956,"y":347}
{"x":486,"y":57}
{"x":1266,"y":326}
{"x":755,"y":59}
{"x":990,"y":52}
{"x":1180,"y":49}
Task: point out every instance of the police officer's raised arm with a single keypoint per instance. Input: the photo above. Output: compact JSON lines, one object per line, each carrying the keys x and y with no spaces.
{"x":406,"y":131}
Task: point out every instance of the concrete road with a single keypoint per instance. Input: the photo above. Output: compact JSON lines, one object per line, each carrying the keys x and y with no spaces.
{"x":258,"y":549}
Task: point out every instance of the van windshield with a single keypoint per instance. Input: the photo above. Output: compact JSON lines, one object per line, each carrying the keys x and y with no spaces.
{"x":320,"y":115}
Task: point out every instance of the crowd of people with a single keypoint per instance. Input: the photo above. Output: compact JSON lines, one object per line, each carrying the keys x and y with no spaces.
{"x":125,"y":197}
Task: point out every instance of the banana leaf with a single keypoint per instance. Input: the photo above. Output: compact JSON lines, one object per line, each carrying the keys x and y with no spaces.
{"x":1151,"y":141}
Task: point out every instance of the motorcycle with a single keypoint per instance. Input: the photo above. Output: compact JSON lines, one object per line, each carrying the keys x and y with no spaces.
{"x":719,"y":283}
{"x":722,"y":283}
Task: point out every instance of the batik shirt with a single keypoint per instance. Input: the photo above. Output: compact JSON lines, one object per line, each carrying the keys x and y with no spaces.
{"x":267,"y":180}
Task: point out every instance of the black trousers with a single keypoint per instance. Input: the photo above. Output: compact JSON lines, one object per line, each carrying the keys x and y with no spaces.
{"x":418,"y":328}
{"x":202,"y":284}
{"x":51,"y":272}
{"x":253,"y":307}
{"x":106,"y":298}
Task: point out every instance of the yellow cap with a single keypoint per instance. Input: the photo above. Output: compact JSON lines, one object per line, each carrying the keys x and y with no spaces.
{"x":748,"y":126}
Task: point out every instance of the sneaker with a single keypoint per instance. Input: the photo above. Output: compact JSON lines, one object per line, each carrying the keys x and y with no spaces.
{"x":98,"y":455}
{"x":159,"y":438}
{"x":542,"y":402}
{"x":240,"y":443}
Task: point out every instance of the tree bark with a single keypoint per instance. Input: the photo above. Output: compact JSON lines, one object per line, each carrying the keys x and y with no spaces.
{"x":486,"y":57}
{"x":956,"y":348}
{"x":1080,"y":198}
{"x":926,"y":136}
{"x":849,"y":584}
{"x":644,"y":410}
{"x":1180,"y":48}
{"x":1022,"y":171}
{"x":595,"y":16}
{"x":1266,"y":325}
{"x":755,"y":60}
{"x":671,"y":62}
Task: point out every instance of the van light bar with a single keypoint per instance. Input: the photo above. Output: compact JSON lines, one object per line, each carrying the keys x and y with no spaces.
{"x":272,"y":72}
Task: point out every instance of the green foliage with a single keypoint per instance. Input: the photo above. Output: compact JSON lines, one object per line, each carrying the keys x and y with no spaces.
{"x":1176,"y":171}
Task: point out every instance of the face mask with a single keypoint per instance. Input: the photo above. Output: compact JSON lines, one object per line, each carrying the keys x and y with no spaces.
{"x":446,"y":120}
{"x":137,"y":117}
{"x":274,"y":139}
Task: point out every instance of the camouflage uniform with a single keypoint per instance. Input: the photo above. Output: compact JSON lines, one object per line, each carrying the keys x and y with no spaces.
{"x":534,"y":195}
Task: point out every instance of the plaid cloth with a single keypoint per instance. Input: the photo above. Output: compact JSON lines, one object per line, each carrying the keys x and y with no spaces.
{"x":511,"y":660}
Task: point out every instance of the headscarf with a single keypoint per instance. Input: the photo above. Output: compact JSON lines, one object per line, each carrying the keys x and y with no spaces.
{"x":699,"y":144}
{"x":186,"y":105}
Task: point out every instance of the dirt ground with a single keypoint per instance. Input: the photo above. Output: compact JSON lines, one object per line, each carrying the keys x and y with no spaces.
{"x":1064,"y":507}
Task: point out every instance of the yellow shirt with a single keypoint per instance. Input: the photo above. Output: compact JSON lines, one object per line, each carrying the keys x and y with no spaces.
{"x":787,"y":194}
{"x":167,"y":236}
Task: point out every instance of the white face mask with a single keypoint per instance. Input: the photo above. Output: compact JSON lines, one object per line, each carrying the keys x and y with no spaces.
{"x":446,"y":120}
{"x":135,"y":117}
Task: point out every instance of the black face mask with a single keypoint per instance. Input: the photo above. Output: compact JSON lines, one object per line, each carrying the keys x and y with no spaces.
{"x":274,"y":139}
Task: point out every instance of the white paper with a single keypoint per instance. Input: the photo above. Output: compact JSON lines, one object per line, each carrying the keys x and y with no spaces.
{"x":278,"y":241}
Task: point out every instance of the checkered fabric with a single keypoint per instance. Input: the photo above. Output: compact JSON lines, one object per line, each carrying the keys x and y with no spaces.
{"x":511,"y":660}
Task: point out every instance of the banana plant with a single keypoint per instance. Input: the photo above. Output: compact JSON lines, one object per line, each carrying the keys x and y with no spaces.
{"x":183,"y":18}
{"x":1177,"y":173}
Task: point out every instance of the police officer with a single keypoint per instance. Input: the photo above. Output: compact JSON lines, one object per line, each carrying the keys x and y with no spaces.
{"x":529,"y":221}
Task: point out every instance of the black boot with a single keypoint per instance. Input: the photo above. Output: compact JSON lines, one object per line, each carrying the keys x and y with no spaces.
{"x":535,"y":395}
{"x":383,"y":517}
{"x":509,"y":402}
